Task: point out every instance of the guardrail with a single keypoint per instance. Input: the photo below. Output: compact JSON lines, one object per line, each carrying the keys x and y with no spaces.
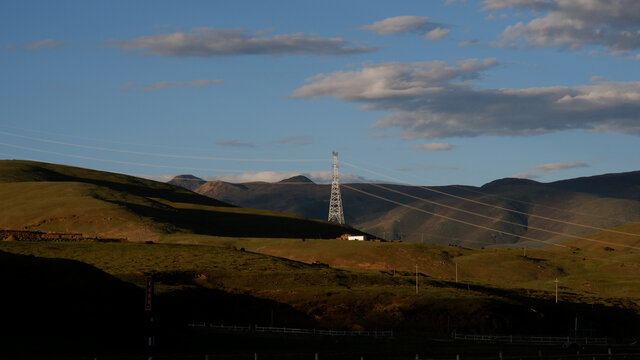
{"x":285,"y":330}
{"x":548,"y":340}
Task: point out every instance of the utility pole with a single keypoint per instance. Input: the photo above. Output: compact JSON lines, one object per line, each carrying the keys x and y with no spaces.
{"x":456,"y":272}
{"x":416,"y":279}
{"x":335,"y":202}
{"x":556,"y":290}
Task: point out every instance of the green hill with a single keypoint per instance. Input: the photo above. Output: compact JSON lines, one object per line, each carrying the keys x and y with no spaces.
{"x":48,"y":197}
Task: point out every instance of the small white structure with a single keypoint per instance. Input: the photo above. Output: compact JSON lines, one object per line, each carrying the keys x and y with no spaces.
{"x":357,"y":237}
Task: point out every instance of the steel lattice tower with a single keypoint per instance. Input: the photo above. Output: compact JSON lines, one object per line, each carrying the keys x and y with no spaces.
{"x":335,"y":203}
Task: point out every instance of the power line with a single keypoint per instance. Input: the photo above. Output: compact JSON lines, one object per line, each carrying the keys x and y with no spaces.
{"x":115,"y":161}
{"x":143,"y":153}
{"x":505,"y":221}
{"x":490,"y":229}
{"x":493,"y":206}
{"x":536,"y":204}
{"x":450,"y":218}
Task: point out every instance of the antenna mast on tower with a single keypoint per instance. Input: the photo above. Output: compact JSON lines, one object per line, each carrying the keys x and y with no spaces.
{"x":335,"y":203}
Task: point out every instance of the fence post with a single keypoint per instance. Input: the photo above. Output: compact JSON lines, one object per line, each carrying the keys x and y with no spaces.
{"x":255,"y":356}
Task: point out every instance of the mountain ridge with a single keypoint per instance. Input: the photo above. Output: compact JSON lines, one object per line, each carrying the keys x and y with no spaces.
{"x":603,"y":201}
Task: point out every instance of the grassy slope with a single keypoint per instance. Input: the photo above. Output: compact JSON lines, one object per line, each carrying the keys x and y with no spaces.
{"x":495,"y":288}
{"x":39,"y":196}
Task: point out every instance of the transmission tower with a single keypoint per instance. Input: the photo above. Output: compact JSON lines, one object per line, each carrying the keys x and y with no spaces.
{"x":335,"y":203}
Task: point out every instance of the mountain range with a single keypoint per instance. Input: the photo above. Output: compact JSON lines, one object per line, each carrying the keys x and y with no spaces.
{"x":524,"y":212}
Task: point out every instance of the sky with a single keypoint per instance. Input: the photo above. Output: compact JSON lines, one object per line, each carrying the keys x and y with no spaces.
{"x":423,"y":92}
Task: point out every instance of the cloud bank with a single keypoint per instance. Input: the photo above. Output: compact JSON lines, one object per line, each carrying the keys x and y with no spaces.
{"x":438,"y":100}
{"x":573,"y":24}
{"x":209,"y":42}
{"x":548,"y":169}
{"x":319,"y":177}
{"x":131,"y":87}
{"x":409,"y":24}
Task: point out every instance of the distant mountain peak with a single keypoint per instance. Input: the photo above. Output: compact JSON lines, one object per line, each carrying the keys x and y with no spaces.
{"x":186,"y":177}
{"x":187,"y":181}
{"x":509,"y":181}
{"x":296,"y":179}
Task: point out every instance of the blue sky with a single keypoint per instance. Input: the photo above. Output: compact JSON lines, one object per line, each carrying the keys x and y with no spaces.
{"x":426,"y":92}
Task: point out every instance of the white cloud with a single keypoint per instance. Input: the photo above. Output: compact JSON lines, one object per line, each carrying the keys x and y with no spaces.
{"x":208,"y":42}
{"x":437,"y":100}
{"x":45,"y":44}
{"x":573,"y":24}
{"x":408,"y":24}
{"x":436,"y":34}
{"x":132,"y":87}
{"x":433,"y":147}
{"x":387,"y":81}
{"x":548,"y":169}
{"x":318,"y":177}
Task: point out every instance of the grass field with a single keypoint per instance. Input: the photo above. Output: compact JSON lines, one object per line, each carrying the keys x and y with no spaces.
{"x":368,"y":284}
{"x":222,"y":263}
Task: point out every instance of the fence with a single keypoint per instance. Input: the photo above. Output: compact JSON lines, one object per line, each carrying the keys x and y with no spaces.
{"x":543,"y":340}
{"x":299,"y":331}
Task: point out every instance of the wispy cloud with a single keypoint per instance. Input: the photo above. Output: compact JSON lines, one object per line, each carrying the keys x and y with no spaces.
{"x":409,"y":24}
{"x":209,"y":42}
{"x":573,"y":24}
{"x":439,"y":100}
{"x":235,"y":143}
{"x":296,"y":140}
{"x":45,"y":44}
{"x":433,"y":147}
{"x":548,"y":169}
{"x":132,"y":87}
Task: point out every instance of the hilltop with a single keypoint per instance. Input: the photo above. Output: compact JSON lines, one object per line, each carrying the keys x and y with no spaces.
{"x":296,"y":179}
{"x":603,"y":201}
